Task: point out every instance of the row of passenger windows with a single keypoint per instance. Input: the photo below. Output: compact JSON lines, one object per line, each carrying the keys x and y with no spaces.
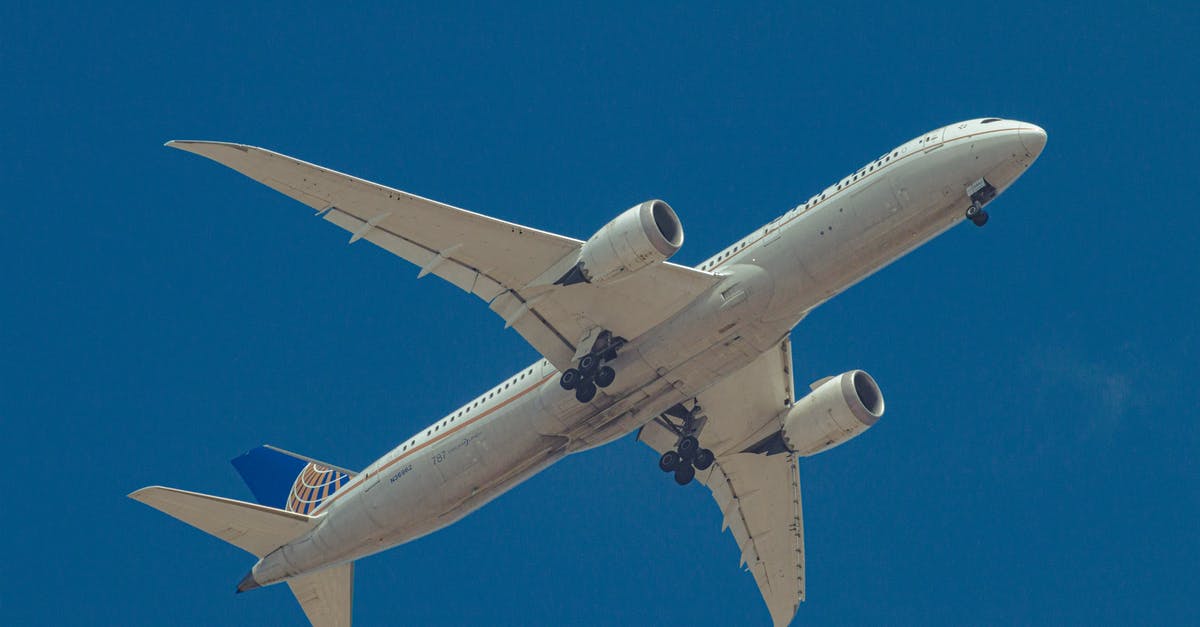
{"x":878,"y":163}
{"x":466,"y":410}
{"x":716,"y":261}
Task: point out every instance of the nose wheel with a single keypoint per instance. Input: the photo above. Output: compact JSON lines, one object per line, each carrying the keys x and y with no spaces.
{"x":980,"y":192}
{"x":591,"y":372}
{"x":688,"y":456}
{"x":976,"y":214}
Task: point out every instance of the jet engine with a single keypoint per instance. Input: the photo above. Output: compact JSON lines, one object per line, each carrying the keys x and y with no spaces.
{"x":645,"y":234}
{"x":838,"y":409}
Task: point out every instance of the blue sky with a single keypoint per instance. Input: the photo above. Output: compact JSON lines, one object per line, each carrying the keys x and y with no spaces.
{"x":160,"y":314}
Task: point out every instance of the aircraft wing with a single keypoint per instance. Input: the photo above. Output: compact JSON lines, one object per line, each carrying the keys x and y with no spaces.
{"x":758,"y":493}
{"x":511,"y":267}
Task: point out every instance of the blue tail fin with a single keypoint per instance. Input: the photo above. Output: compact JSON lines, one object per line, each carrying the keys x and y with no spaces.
{"x":289,"y":481}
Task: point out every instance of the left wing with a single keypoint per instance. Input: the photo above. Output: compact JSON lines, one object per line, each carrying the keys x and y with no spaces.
{"x":509,"y":266}
{"x":755,"y":482}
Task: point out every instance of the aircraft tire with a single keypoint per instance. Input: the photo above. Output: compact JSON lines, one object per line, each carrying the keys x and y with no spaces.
{"x":704,"y":459}
{"x":669,"y":461}
{"x":684,"y":474}
{"x":585,"y":391}
{"x":688,"y":446}
{"x":605,"y":376}
{"x":569,"y":379}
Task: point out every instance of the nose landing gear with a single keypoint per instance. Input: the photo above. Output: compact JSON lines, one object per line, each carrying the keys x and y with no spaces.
{"x":977,"y":215}
{"x":591,"y":372}
{"x":687,"y":457}
{"x":980,"y":193}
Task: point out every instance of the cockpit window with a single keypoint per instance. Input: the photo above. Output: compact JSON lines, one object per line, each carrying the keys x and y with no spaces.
{"x":990,"y":120}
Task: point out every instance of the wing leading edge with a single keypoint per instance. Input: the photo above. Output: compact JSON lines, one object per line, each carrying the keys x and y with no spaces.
{"x":509,"y":266}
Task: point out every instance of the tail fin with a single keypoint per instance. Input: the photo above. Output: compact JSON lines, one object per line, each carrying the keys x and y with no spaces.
{"x":288,"y":481}
{"x":254,"y":528}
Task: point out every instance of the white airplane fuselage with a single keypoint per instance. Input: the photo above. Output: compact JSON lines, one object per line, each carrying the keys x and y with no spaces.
{"x":773,"y":278}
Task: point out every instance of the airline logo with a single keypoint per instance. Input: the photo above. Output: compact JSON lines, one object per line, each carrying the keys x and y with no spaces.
{"x":314,"y":484}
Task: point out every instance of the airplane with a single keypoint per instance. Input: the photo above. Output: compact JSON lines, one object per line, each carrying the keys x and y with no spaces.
{"x":697,"y":360}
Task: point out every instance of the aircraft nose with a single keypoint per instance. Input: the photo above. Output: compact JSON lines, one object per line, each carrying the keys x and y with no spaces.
{"x":1033,"y":138}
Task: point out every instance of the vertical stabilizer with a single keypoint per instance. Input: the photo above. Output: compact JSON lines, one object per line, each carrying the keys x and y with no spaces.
{"x":285,"y":480}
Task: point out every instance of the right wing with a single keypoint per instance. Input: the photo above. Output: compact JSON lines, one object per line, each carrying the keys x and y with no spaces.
{"x":759,"y":496}
{"x":754,"y":481}
{"x":511,"y":267}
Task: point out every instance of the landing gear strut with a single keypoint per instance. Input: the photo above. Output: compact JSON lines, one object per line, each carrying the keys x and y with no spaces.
{"x":591,"y":372}
{"x":688,"y":456}
{"x":980,"y":193}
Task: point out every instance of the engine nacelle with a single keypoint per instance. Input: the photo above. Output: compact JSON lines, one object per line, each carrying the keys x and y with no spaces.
{"x":645,"y":234}
{"x":837,"y":410}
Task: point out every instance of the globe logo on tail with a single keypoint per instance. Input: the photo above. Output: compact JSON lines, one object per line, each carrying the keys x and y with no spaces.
{"x":312,"y":486}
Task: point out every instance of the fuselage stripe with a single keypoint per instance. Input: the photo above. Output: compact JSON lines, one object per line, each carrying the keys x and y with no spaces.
{"x":448,"y":432}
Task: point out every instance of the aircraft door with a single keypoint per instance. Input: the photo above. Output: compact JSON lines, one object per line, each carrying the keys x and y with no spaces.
{"x":932,"y":140}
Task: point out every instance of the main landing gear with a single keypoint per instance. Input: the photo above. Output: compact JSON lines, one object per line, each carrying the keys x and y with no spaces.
{"x":980,"y":193}
{"x":687,"y":457}
{"x":591,"y":372}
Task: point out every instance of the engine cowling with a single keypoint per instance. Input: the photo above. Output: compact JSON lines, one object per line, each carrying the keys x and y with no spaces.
{"x":644,"y":234}
{"x":837,"y":410}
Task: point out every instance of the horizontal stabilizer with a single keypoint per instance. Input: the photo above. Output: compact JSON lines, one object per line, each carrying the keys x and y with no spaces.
{"x":326,"y":595}
{"x":254,"y":528}
{"x":285,"y":480}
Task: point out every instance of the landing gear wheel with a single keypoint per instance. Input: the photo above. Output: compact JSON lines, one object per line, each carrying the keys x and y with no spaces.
{"x":588,"y":364}
{"x":569,"y":379}
{"x":605,"y":376}
{"x":980,"y":218}
{"x":704,"y":459}
{"x":585,"y":391}
{"x":973,"y":211}
{"x":669,"y":461}
{"x":684,"y":474}
{"x":687,"y":447}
